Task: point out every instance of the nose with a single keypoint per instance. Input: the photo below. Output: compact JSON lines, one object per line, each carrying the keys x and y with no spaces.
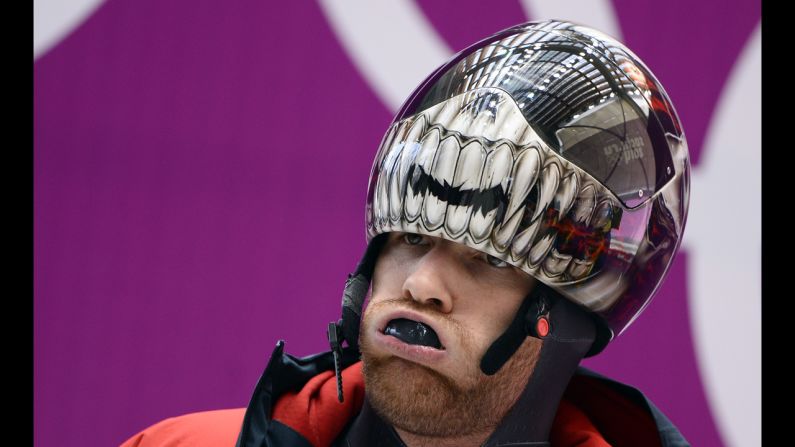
{"x":431,"y":279}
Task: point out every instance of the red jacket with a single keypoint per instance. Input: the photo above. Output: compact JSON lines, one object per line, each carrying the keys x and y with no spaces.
{"x":295,"y":404}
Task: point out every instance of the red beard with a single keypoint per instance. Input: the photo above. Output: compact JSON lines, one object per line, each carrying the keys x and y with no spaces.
{"x":423,"y":401}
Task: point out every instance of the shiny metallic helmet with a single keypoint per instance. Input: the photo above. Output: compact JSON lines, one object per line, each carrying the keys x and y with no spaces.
{"x":551,"y":146}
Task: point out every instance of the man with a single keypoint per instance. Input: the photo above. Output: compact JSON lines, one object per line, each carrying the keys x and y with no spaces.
{"x":523,"y":208}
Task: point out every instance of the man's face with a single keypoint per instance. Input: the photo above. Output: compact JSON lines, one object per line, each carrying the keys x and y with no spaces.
{"x":433,"y":385}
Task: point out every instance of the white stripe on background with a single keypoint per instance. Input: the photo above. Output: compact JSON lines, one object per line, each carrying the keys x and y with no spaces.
{"x":723,"y":239}
{"x":392,"y":43}
{"x":598,"y":14}
{"x":53,"y":20}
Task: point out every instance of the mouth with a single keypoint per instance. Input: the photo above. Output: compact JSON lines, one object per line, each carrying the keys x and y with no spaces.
{"x":413,"y":332}
{"x":412,"y":336}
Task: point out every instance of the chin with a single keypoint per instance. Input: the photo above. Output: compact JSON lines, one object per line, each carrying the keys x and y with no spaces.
{"x":414,"y":397}
{"x":425,"y":401}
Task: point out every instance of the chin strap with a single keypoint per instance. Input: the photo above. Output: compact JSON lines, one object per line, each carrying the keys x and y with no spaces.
{"x":356,"y":286}
{"x":547,"y":315}
{"x":532,"y":319}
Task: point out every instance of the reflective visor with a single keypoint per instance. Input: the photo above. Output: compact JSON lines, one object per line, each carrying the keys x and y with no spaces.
{"x":622,"y":149}
{"x":580,"y":94}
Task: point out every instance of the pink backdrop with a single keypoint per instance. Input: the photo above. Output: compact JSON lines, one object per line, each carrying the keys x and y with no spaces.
{"x":200,"y":170}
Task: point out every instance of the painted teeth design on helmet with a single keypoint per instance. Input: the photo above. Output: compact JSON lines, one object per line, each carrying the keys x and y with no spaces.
{"x":442,"y":173}
{"x":540,"y":249}
{"x":392,"y":187}
{"x":389,"y":139}
{"x":380,"y":201}
{"x":503,"y":120}
{"x":555,"y":264}
{"x":487,"y":114}
{"x":524,"y":176}
{"x":485,"y":119}
{"x":443,"y":116}
{"x":510,"y":118}
{"x":381,"y":205}
{"x":467,"y":178}
{"x":463,"y":121}
{"x":524,"y":240}
{"x":424,"y":162}
{"x":397,"y":183}
{"x":566,"y":194}
{"x":548,"y":185}
{"x":493,"y":190}
{"x":579,"y":268}
{"x":495,"y":175}
{"x":584,"y":205}
{"x":546,"y":188}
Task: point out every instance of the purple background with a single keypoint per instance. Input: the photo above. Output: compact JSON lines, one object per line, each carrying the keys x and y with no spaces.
{"x":200,"y":171}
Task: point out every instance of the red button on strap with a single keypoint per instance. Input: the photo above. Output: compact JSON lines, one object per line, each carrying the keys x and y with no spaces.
{"x":542,"y":327}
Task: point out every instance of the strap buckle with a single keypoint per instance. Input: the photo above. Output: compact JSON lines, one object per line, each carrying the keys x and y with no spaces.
{"x":334,"y":334}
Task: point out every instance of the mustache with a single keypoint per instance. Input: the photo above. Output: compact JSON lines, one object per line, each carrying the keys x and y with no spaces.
{"x":410,"y":303}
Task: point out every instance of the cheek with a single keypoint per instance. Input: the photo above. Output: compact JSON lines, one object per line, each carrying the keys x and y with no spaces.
{"x":388,"y":279}
{"x":489,"y":316}
{"x":482,"y":331}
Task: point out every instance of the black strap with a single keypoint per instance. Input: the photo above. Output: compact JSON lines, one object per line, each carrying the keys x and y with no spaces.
{"x":356,"y":286}
{"x":536,"y":304}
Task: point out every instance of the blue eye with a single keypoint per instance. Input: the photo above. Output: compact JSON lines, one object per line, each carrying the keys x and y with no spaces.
{"x":412,"y":238}
{"x":496,"y":262}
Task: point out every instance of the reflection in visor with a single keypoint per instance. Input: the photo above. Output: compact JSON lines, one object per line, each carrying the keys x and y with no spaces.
{"x":612,"y":143}
{"x":580,"y":96}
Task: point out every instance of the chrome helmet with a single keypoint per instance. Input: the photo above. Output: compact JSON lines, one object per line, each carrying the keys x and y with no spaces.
{"x":551,"y":146}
